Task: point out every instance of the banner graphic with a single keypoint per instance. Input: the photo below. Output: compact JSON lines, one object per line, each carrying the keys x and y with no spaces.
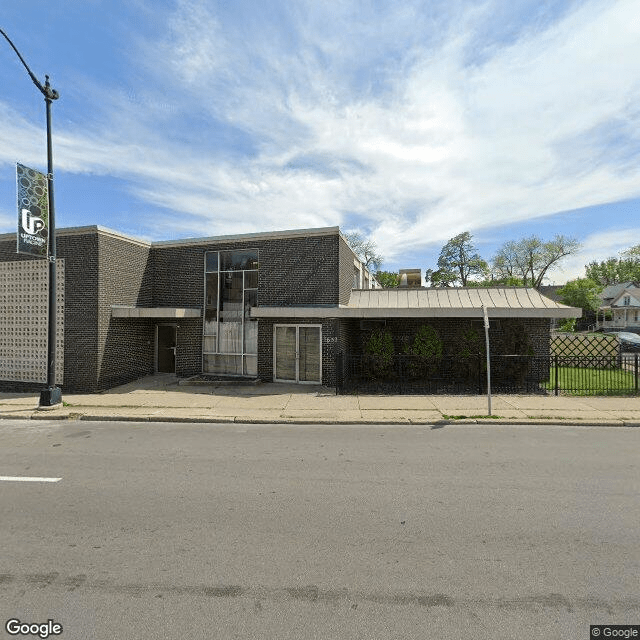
{"x":33,"y":211}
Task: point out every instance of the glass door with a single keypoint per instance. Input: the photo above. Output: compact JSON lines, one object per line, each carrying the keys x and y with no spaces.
{"x":309,"y":354}
{"x":285,"y":353}
{"x":297,"y":353}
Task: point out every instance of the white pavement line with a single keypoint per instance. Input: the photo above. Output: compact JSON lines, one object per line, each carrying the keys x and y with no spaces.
{"x":27,"y":479}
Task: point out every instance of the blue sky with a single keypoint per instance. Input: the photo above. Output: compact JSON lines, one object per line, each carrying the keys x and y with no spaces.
{"x":407,"y":121}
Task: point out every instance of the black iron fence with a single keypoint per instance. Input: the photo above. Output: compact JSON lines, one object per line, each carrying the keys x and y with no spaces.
{"x":455,"y":374}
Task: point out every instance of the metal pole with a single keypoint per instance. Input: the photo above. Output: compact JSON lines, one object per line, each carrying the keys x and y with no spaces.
{"x":486,"y":338}
{"x":51,"y":395}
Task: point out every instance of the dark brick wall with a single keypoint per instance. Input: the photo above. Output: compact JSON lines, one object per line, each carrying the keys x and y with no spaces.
{"x":293,"y":271}
{"x":189,"y":347}
{"x":80,"y":253}
{"x":345,"y":272}
{"x":125,"y":345}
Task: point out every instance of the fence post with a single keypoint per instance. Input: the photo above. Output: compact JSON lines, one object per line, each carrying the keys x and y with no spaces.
{"x":636,"y":371}
{"x":479,"y":373}
{"x":555,"y":366}
{"x":339,"y":370}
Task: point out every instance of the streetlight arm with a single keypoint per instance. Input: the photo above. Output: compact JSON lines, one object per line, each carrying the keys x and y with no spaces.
{"x":46,"y":91}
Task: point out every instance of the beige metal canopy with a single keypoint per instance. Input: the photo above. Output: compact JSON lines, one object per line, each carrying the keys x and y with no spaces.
{"x":124,"y":311}
{"x":512,"y":302}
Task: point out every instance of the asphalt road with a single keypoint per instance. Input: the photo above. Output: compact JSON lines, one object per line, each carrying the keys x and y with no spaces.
{"x":247,"y":531}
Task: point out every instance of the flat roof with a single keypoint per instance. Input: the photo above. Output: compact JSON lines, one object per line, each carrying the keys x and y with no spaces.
{"x":238,"y":237}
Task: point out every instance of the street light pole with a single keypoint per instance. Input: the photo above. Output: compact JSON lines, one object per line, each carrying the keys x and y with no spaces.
{"x":51,"y":395}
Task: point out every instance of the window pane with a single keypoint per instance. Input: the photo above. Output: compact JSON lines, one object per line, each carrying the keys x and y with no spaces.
{"x":286,"y":353}
{"x":237,"y":260}
{"x":228,"y":365}
{"x":250,"y":279}
{"x":251,"y":336}
{"x":210,"y":323}
{"x":231,"y":297}
{"x":211,"y":261}
{"x":250,"y":300}
{"x":251,"y":366}
{"x":230,"y":337}
{"x":211,"y":301}
{"x":209,"y":345}
{"x":309,"y":348}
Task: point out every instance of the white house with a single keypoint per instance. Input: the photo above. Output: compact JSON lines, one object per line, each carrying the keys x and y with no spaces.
{"x":621,"y":307}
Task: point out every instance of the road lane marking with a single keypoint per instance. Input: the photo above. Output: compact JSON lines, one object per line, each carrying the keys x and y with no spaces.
{"x":27,"y":479}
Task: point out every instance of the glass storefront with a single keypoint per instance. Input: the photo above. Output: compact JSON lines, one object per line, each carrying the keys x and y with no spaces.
{"x":230,"y":341}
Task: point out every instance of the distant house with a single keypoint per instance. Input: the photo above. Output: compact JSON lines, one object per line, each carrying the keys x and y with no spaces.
{"x":620,"y":309}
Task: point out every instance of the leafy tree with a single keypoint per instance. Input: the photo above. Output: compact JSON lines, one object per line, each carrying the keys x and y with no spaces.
{"x":582,"y":292}
{"x":585,"y":294}
{"x":616,"y":270}
{"x":388,"y":279}
{"x":458,"y":262}
{"x":365,"y":249}
{"x":531,"y":258}
{"x":439,"y":278}
{"x":507,"y":281}
{"x":632,"y":252}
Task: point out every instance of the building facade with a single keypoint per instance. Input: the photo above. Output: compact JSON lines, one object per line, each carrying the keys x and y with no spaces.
{"x":277,"y":306}
{"x":132,"y":308}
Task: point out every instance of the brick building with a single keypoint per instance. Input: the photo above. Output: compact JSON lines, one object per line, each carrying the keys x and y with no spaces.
{"x":276,"y":306}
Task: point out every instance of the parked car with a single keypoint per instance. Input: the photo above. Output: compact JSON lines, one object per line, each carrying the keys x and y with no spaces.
{"x":628,"y":341}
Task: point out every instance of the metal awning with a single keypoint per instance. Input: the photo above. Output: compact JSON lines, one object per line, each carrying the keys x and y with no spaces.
{"x":512,"y":302}
{"x":124,"y":311}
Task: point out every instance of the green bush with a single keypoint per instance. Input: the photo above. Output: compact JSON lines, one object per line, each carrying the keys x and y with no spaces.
{"x":380,"y":347}
{"x":427,"y":349}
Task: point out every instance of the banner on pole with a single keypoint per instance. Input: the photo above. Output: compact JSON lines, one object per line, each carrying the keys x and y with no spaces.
{"x":33,"y":212}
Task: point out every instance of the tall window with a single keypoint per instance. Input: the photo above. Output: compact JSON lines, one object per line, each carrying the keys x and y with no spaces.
{"x":230,"y":342}
{"x":626,"y":301}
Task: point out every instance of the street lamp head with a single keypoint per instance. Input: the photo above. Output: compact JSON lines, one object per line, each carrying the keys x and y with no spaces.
{"x":50,"y":94}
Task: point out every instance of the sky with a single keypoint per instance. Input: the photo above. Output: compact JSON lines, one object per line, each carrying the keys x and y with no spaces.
{"x":409,"y":122}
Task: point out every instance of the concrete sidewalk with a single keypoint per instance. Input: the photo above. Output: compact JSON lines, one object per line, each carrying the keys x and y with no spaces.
{"x":164,"y":398}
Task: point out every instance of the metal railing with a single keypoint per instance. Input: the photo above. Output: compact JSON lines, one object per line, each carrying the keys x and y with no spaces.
{"x":452,"y":374}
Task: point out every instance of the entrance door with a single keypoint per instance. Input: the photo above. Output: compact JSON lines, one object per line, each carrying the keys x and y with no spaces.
{"x":297,"y":353}
{"x":166,"y":348}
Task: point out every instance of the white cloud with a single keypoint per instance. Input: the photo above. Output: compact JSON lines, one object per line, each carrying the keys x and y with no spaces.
{"x":420,"y":140}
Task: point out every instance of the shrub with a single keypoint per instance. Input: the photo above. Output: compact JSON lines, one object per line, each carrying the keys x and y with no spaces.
{"x":379,"y":347}
{"x":427,"y":349}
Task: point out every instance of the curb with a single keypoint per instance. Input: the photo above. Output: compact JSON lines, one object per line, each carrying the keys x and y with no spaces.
{"x":300,"y":420}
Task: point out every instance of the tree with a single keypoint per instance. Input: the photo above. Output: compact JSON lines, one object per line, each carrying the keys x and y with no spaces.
{"x":388,"y":279}
{"x":531,"y":258}
{"x":439,"y":278}
{"x":632,"y":253}
{"x":581,"y":292}
{"x":585,"y":294}
{"x":616,"y":270}
{"x":457,"y":262}
{"x":365,"y":249}
{"x":506,"y":281}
